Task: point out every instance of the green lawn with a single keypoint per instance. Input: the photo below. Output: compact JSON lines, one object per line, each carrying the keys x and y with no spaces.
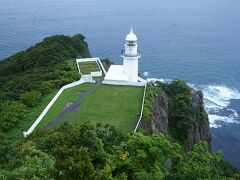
{"x":88,"y":67}
{"x":68,"y":95}
{"x":110,"y":104}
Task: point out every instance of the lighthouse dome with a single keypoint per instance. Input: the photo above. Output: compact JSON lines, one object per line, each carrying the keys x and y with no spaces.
{"x":131,"y":36}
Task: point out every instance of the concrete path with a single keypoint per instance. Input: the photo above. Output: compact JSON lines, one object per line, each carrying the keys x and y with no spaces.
{"x":74,"y":107}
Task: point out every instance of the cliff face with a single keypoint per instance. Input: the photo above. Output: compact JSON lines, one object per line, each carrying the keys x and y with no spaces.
{"x":162,"y":108}
{"x":200,"y":129}
{"x":160,"y":114}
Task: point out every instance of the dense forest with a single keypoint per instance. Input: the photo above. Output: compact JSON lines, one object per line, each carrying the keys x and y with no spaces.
{"x":90,"y":151}
{"x":101,"y":152}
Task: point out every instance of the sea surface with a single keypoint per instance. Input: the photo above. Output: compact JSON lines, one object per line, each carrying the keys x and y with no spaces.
{"x":194,"y":40}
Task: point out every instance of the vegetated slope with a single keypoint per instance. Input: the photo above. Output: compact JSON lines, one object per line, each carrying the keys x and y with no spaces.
{"x":46,"y":61}
{"x":101,"y":152}
{"x":28,"y":76}
{"x":178,"y":110}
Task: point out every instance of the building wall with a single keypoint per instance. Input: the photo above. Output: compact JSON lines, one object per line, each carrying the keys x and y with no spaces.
{"x":130,"y":66}
{"x":124,"y":83}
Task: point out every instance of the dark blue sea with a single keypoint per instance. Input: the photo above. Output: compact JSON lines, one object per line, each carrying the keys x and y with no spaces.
{"x":194,"y":40}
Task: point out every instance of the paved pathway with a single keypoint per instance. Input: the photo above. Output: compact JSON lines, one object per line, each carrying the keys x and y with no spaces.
{"x":73,"y":107}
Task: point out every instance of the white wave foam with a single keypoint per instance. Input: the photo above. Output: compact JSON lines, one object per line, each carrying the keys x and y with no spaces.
{"x":154,"y":80}
{"x":234,"y":113}
{"x":216,"y":99}
{"x":220,"y":95}
{"x":192,"y":85}
{"x":146,"y":73}
{"x":210,"y":105}
{"x":215,"y":119}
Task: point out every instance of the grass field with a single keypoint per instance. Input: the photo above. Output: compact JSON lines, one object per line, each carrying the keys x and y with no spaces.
{"x":88,"y":67}
{"x":68,"y":95}
{"x":109,"y":104}
{"x":116,"y":105}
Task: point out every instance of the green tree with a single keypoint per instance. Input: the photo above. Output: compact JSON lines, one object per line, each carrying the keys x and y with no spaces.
{"x":198,"y":164}
{"x":98,"y":152}
{"x":32,"y":164}
{"x":146,"y":157}
{"x":73,"y":163}
{"x":46,"y":87}
{"x":31,"y":98}
{"x":11,"y":113}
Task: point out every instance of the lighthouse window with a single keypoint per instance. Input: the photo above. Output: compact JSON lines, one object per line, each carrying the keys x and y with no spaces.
{"x":131,"y":43}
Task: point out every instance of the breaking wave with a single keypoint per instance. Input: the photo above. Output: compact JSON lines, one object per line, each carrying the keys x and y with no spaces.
{"x":153,"y":80}
{"x":146,"y":73}
{"x":220,"y":95}
{"x":217,"y":101}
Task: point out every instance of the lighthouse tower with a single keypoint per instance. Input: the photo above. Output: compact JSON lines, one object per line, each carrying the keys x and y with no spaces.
{"x":130,"y":57}
{"x":126,"y":74}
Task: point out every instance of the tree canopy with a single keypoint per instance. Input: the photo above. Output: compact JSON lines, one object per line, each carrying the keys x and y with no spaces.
{"x":101,"y":152}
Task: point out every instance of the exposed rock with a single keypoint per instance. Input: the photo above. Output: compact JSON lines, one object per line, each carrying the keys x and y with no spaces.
{"x":160,"y":114}
{"x":200,"y":130}
{"x":161,"y":109}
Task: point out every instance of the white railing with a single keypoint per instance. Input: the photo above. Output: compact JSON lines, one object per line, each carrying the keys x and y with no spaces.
{"x":99,"y":61}
{"x":139,"y":120}
{"x":96,"y":74}
{"x":41,"y":116}
{"x":99,"y":64}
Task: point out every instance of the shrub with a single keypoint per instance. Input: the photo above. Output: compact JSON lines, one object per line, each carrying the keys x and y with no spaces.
{"x":11,"y":112}
{"x":31,"y":98}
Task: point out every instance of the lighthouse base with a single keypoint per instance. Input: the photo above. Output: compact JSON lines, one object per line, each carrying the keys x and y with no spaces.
{"x":117,"y":76}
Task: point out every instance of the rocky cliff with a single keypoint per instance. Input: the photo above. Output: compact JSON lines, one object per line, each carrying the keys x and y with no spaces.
{"x":200,"y":129}
{"x":162,"y":110}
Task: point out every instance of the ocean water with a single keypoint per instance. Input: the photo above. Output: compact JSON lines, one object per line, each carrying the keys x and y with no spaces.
{"x":197,"y":41}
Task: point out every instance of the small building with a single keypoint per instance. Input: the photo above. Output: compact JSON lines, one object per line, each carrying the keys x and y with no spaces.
{"x":126,"y":74}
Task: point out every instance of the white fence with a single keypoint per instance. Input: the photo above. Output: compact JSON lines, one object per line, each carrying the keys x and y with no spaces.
{"x":104,"y":70}
{"x":139,"y":120}
{"x":96,"y":74}
{"x":98,"y":62}
{"x":38,"y":120}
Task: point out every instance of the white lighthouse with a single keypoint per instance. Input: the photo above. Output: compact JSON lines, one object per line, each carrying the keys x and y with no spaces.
{"x":126,"y":74}
{"x":130,"y":57}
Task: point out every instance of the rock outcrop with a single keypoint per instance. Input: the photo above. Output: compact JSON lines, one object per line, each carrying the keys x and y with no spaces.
{"x":163,"y":106}
{"x":160,"y":114}
{"x":200,"y":129}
